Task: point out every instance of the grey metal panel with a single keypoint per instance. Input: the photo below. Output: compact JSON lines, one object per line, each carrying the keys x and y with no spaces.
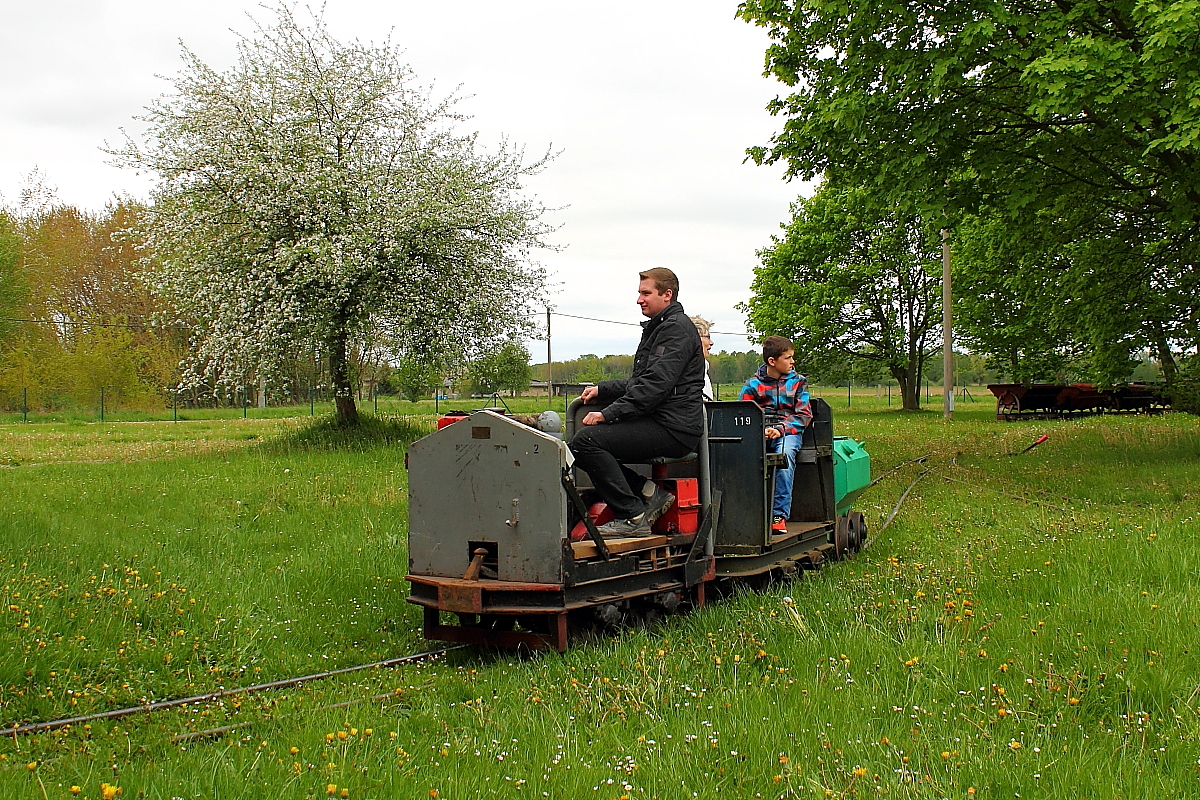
{"x":737,"y":451}
{"x":463,"y":483}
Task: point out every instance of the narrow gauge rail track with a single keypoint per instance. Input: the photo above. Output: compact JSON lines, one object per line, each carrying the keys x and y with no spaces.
{"x":16,"y":730}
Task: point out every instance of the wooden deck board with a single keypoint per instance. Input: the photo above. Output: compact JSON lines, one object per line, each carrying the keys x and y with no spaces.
{"x":587,"y":549}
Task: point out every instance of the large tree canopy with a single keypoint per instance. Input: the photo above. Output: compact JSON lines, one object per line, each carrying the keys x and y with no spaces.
{"x":852,"y":282}
{"x":312,"y":194}
{"x":1024,"y":99}
{"x":1080,"y":117}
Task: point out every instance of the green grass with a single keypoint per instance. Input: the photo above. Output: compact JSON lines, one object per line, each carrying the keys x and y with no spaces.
{"x":1024,"y":627}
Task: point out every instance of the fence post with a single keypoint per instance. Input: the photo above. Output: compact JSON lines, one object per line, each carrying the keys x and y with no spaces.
{"x":375,"y":398}
{"x":848,"y":385}
{"x":889,"y":394}
{"x":24,"y":404}
{"x":245,"y":404}
{"x":312,"y":403}
{"x":175,"y":406}
{"x":102,"y":404}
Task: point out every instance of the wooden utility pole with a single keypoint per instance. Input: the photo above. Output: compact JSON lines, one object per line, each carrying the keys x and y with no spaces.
{"x":947,"y":331}
{"x":549,"y":364}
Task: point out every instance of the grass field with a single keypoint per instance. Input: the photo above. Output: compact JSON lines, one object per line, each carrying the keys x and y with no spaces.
{"x":1022,"y":629}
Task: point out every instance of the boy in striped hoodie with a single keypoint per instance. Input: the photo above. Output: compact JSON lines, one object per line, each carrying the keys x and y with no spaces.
{"x":783,"y":396}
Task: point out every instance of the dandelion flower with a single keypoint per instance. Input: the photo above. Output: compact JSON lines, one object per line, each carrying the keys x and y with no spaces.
{"x":331,"y":789}
{"x":75,"y":790}
{"x":860,"y":772}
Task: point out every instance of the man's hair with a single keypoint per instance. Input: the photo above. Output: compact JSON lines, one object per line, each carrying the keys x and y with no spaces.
{"x":703,"y":326}
{"x":663,"y":279}
{"x":775,"y":346}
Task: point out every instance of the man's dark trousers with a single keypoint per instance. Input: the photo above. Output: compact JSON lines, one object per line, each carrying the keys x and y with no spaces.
{"x":602,"y":451}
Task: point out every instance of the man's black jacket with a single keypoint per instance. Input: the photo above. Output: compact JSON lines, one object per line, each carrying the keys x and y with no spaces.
{"x":668,"y":378}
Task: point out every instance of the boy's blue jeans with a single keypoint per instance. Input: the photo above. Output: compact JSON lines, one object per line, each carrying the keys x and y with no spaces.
{"x":790,"y":444}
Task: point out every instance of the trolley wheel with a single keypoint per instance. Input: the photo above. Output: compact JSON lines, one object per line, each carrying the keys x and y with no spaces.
{"x":841,"y":536}
{"x":858,"y":530}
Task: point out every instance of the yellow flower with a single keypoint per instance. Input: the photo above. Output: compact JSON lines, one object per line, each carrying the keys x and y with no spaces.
{"x":1014,"y":744}
{"x":108,"y":791}
{"x":75,"y":790}
{"x":945,"y":755}
{"x":860,"y":772}
{"x":293,"y":750}
{"x":32,"y":765}
{"x":344,"y":793}
{"x":367,"y":732}
{"x":331,"y":789}
{"x":342,"y":734}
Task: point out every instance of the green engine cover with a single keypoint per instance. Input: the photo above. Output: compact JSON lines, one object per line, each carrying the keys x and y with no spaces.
{"x":851,"y":471}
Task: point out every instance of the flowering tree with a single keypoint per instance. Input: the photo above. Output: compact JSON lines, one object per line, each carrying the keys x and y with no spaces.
{"x":311,"y":195}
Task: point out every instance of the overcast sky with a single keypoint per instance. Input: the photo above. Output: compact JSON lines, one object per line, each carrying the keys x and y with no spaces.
{"x":651,"y":103}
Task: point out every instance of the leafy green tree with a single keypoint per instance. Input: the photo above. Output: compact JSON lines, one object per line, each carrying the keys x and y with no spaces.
{"x":415,"y":378}
{"x":1053,"y":298}
{"x":12,"y":283}
{"x":855,"y":286}
{"x":506,"y":368}
{"x":1038,"y":101}
{"x":1077,"y":116}
{"x":313,"y":194}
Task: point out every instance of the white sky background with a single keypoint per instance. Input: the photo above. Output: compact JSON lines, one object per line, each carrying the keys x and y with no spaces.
{"x":651,"y":103}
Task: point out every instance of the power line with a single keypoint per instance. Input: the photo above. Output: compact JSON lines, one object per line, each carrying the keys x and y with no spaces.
{"x":637,"y":324}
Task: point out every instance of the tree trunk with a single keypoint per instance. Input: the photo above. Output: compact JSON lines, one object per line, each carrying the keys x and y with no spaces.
{"x":1166,"y":361}
{"x":910,"y":392}
{"x":339,"y":376}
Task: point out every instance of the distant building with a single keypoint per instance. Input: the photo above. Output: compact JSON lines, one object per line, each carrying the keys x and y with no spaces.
{"x":560,"y":389}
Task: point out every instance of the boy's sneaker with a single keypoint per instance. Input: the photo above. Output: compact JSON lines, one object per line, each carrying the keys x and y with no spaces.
{"x":779,"y":525}
{"x":625,"y":528}
{"x":658,"y":504}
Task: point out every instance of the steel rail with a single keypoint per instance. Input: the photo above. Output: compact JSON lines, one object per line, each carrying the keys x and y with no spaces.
{"x":39,"y":727}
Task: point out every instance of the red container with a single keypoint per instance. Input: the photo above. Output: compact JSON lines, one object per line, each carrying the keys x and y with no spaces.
{"x":451,"y":418}
{"x":684,"y":514}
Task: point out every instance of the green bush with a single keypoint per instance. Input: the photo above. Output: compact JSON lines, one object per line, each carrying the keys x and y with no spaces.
{"x":1185,"y":395}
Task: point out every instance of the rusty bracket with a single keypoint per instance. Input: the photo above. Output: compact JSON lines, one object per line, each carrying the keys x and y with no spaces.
{"x":472,"y":573}
{"x":581,"y":509}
